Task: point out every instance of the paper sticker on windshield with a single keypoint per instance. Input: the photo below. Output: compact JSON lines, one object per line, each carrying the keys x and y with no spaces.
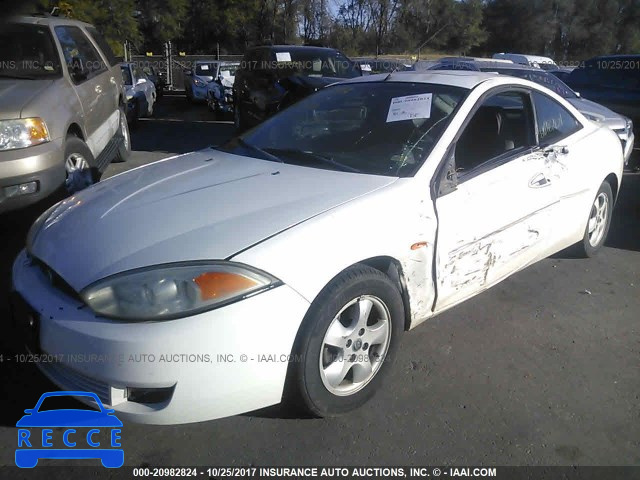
{"x":283,"y":56}
{"x":410,"y":107}
{"x":204,"y":67}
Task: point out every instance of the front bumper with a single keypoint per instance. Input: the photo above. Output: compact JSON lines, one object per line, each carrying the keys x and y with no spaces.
{"x":628,"y":148}
{"x":220,"y":363}
{"x":42,"y":163}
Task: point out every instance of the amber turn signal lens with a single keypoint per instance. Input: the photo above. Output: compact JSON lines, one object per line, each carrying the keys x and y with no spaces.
{"x":222,"y":284}
{"x":38,"y":132}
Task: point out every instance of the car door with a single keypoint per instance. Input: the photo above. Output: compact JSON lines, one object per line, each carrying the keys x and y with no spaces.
{"x":91,"y":81}
{"x":495,"y":202}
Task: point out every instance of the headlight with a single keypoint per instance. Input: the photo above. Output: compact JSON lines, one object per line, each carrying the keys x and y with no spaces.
{"x":199,"y":83}
{"x":169,"y":291}
{"x":21,"y":133}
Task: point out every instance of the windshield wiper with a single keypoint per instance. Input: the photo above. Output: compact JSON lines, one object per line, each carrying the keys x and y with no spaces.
{"x":259,"y":150}
{"x":315,"y":156}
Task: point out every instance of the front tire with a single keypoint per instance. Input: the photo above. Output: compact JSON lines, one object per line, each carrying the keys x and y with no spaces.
{"x":346,"y":341}
{"x":598,"y":223}
{"x":79,"y":165}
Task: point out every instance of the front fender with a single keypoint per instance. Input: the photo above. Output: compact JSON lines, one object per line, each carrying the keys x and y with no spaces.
{"x":385,"y":223}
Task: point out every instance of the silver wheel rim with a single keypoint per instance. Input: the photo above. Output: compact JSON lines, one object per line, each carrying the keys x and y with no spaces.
{"x":124,"y":130}
{"x":78,"y":172}
{"x":598,"y":219}
{"x":355,"y":345}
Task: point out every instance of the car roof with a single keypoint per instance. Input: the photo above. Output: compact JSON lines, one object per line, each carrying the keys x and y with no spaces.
{"x":531,"y":58}
{"x":487,"y":63}
{"x":455,"y":78}
{"x":49,"y":20}
{"x":282,"y":48}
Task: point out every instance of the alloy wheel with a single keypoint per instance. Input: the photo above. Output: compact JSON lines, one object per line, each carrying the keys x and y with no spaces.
{"x":355,"y":345}
{"x":598,"y":219}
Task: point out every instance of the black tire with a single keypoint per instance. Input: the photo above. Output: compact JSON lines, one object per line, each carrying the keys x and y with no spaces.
{"x":124,"y":151}
{"x":74,"y":145}
{"x":588,"y":247}
{"x":305,"y":383}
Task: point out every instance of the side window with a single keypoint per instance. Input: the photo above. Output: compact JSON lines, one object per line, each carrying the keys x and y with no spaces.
{"x":126,"y":75}
{"x":553,"y":120}
{"x":500,"y":125}
{"x":81,"y":57}
{"x":137,"y":73}
{"x":103,"y":45}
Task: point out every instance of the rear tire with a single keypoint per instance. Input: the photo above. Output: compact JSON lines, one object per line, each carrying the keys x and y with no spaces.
{"x":598,"y":223}
{"x":362,"y":312}
{"x":124,"y":151}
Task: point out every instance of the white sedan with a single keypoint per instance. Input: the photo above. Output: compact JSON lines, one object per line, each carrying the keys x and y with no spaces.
{"x":287,"y":263}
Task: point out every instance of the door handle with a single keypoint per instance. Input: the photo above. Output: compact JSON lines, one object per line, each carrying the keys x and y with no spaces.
{"x":539,"y":180}
{"x":557,"y":150}
{"x":98,"y":89}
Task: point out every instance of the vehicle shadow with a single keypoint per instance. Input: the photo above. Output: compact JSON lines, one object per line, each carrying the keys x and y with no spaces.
{"x":624,"y":232}
{"x":22,"y":383}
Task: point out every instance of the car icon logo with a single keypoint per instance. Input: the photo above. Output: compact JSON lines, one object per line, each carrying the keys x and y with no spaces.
{"x":82,"y":433}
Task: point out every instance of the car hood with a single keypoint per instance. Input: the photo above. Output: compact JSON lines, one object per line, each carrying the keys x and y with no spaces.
{"x":606,"y":116}
{"x":203,"y":205}
{"x":16,"y":94}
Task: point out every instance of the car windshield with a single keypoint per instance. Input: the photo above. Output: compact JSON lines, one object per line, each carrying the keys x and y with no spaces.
{"x":28,"y":52}
{"x":317,"y":62}
{"x":382,"y":128}
{"x":205,"y":69}
{"x":540,"y":77}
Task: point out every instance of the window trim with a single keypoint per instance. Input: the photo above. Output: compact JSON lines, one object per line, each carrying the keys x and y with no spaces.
{"x":94,"y":73}
{"x":535,"y":116}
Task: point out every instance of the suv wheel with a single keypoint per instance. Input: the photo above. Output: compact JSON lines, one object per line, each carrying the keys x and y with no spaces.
{"x":78,"y":161}
{"x":124,"y":151}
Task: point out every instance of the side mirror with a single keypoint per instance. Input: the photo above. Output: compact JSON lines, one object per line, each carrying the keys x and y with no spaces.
{"x":29,"y":411}
{"x":578,"y":94}
{"x":448,"y":177}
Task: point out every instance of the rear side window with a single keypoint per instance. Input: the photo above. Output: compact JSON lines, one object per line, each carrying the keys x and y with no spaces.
{"x":554,"y":121}
{"x":79,"y":53}
{"x":104,"y":46}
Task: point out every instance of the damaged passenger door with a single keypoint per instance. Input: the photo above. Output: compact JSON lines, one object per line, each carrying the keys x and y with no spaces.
{"x":496,"y":200}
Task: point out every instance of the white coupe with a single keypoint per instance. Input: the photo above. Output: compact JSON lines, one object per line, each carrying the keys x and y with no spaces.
{"x":288,"y":262}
